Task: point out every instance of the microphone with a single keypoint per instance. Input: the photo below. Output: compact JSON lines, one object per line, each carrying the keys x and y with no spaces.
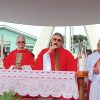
{"x":55,"y":48}
{"x":55,"y":44}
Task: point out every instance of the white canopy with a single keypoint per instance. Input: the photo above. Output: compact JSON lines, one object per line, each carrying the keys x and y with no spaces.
{"x":50,"y":12}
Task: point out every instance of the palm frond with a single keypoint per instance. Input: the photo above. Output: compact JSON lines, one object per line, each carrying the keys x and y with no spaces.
{"x":9,"y":96}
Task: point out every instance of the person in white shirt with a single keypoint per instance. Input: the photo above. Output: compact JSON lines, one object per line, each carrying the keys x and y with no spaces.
{"x":93,"y":68}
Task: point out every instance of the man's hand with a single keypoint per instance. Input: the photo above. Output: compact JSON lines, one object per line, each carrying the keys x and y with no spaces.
{"x":96,"y":70}
{"x":52,"y":47}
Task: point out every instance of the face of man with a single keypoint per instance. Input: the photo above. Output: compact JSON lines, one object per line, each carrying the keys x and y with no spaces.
{"x":20,"y":43}
{"x":98,"y":46}
{"x":56,"y":40}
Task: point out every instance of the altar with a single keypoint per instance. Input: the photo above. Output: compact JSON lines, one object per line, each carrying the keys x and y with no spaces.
{"x":39,"y":83}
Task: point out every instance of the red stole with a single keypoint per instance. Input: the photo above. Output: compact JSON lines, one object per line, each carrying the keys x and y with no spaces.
{"x":97,"y":63}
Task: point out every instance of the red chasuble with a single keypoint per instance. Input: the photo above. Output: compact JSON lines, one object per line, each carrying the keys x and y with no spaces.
{"x":27,"y":58}
{"x":66,"y":60}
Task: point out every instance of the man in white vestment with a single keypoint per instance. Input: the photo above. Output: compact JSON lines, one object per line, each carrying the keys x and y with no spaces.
{"x":93,"y":67}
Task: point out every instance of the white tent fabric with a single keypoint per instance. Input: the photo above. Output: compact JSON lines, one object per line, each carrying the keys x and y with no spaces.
{"x":50,"y":12}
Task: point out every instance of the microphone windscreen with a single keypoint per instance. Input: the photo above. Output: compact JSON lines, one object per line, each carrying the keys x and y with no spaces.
{"x":55,"y":48}
{"x":55,"y":44}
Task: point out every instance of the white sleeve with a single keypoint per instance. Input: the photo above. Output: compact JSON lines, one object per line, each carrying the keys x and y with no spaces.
{"x":89,"y":68}
{"x":46,"y":62}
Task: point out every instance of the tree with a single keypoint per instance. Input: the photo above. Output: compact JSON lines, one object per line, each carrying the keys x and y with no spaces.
{"x":79,"y":38}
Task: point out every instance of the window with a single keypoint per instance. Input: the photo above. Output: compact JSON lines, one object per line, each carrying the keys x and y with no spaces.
{"x":29,"y":47}
{"x":6,"y":48}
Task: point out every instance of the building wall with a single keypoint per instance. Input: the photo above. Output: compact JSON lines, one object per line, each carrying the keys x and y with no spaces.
{"x":10,"y":36}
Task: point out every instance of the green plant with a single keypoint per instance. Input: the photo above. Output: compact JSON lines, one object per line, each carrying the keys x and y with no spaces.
{"x":10,"y":96}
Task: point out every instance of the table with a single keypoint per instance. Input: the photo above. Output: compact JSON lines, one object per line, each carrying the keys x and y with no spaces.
{"x":43,"y":83}
{"x":81,"y":75}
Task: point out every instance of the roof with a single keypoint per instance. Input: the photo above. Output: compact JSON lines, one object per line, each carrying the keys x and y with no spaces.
{"x":17,"y":31}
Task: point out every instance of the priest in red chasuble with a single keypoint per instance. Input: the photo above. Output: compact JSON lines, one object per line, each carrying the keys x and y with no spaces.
{"x":56,"y":58}
{"x":20,"y":58}
{"x":56,"y":52}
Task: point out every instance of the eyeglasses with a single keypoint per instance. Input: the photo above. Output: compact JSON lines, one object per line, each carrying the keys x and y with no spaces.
{"x":55,"y":39}
{"x":21,"y":42}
